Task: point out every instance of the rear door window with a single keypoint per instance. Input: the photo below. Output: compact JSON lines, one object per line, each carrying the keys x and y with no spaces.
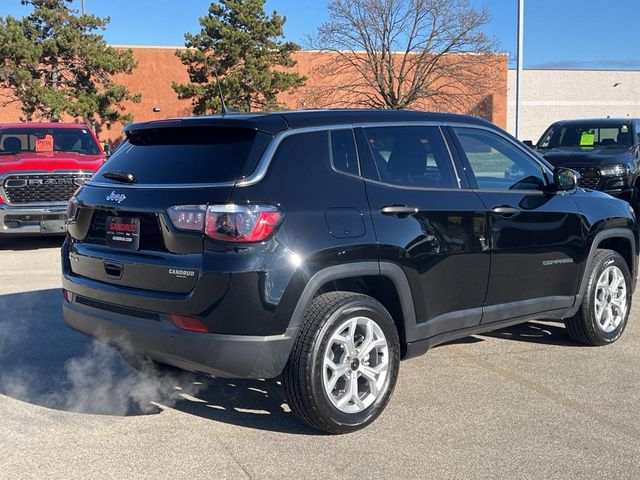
{"x":187,"y":155}
{"x":411,"y":156}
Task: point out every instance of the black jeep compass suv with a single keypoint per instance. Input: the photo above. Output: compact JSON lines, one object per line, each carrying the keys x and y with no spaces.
{"x":324,"y":246}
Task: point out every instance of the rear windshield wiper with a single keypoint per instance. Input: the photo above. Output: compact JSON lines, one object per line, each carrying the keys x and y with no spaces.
{"x":120,"y":177}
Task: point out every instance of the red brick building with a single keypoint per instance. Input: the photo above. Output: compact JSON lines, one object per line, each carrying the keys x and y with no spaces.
{"x":158,"y":67}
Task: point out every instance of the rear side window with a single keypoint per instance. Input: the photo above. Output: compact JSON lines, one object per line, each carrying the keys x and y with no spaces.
{"x":411,"y":156}
{"x":187,"y":155}
{"x":343,"y":151}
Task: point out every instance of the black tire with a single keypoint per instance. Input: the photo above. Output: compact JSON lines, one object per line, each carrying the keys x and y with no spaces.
{"x":303,"y":375}
{"x":583,"y":326}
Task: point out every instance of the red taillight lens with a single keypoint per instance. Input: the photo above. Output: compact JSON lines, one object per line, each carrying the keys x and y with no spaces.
{"x":242,"y":223}
{"x":228,"y":223}
{"x":189,"y":323}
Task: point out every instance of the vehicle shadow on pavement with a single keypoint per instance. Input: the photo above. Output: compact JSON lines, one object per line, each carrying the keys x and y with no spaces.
{"x":258,"y":404}
{"x":535,"y":332}
{"x":45,"y":363}
{"x":542,"y":333}
{"x":30,"y":243}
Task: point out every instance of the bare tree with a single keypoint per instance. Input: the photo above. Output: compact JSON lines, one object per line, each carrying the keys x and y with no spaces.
{"x":398,"y":54}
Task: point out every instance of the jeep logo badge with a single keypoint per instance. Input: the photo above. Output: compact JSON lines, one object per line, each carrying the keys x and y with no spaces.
{"x":116,"y":197}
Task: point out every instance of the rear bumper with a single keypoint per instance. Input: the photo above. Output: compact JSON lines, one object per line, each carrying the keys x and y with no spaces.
{"x":229,"y":356}
{"x":46,"y":220}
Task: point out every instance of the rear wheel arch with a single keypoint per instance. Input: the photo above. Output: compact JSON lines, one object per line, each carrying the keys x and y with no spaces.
{"x":385,"y":282}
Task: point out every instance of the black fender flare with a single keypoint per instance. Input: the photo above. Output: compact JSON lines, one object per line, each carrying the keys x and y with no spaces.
{"x":625,"y":233}
{"x":359,"y":269}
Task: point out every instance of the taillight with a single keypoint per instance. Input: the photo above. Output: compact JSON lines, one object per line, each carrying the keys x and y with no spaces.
{"x":72,"y":209}
{"x":242,"y":223}
{"x":188,"y":217}
{"x":228,"y":223}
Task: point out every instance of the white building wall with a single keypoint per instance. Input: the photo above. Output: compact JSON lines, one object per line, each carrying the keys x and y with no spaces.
{"x":552,"y":95}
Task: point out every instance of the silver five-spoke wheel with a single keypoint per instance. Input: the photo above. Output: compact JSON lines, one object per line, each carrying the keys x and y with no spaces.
{"x":610,"y":299}
{"x":355,"y":365}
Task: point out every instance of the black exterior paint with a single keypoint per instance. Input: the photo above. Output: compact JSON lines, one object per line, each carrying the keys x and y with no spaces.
{"x":455,"y":265}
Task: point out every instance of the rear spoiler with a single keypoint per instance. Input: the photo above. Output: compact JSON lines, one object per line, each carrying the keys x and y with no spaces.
{"x":270,"y":124}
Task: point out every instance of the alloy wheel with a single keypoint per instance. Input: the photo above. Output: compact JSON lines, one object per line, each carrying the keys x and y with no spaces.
{"x":610,"y":303}
{"x":355,"y":365}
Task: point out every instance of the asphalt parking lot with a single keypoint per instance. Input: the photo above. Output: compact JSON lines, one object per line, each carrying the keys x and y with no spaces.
{"x":518,"y":403}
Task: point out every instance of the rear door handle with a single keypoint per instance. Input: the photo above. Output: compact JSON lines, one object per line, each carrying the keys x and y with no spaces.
{"x":505,"y":211}
{"x":399,"y":210}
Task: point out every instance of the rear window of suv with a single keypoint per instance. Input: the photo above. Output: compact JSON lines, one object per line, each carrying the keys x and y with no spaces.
{"x":187,"y":155}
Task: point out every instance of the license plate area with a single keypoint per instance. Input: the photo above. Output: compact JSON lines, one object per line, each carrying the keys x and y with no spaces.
{"x":53,"y":226}
{"x":123,"y":232}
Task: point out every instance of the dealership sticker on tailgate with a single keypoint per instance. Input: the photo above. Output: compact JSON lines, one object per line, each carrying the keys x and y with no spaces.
{"x":182,"y":273}
{"x":123,"y":232}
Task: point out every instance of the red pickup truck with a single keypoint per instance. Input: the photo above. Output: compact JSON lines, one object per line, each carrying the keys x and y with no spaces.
{"x":41,"y":165}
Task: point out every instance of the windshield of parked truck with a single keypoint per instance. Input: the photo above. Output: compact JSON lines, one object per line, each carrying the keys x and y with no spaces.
{"x":75,"y":140}
{"x":587,"y":135}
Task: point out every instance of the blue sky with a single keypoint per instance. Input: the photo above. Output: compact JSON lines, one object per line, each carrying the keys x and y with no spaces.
{"x":558,"y":33}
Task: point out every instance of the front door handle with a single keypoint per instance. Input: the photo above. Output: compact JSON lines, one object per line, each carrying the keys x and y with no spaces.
{"x":400,"y":210}
{"x":505,"y":211}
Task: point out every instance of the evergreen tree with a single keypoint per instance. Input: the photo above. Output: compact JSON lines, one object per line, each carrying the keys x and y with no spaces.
{"x":242,"y":44}
{"x":54,"y":63}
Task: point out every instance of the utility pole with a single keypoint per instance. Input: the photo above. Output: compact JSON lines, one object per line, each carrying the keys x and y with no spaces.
{"x":82,"y":7}
{"x":520,"y":66}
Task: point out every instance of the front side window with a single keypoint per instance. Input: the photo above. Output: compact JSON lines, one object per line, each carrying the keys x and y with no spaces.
{"x":411,"y":156}
{"x":498,"y":164}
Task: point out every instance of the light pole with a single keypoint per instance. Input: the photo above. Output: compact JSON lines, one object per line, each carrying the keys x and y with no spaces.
{"x":520,"y":63}
{"x":82,"y":7}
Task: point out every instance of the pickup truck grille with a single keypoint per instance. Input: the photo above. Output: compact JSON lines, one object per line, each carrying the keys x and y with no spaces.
{"x":590,"y":177}
{"x":42,"y":188}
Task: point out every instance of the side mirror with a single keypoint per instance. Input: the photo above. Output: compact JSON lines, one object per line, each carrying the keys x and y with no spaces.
{"x":529,"y":143}
{"x":565,"y":178}
{"x":107,"y":150}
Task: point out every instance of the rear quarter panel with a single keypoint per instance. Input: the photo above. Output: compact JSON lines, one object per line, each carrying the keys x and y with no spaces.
{"x":302,"y":182}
